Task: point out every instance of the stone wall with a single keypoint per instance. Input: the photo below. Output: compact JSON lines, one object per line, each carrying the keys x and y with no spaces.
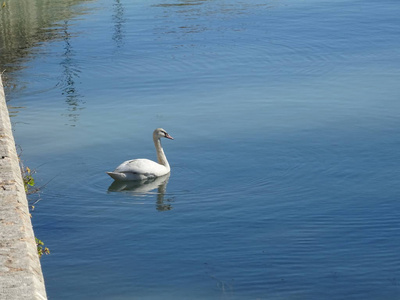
{"x":20,"y":271}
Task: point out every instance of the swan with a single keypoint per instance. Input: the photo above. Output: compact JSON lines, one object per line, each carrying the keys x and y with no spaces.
{"x":142,"y":168}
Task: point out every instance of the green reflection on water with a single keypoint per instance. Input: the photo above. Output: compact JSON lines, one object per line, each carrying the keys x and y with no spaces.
{"x":24,"y":25}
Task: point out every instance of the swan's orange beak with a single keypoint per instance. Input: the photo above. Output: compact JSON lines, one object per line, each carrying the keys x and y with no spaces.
{"x":169,"y":137}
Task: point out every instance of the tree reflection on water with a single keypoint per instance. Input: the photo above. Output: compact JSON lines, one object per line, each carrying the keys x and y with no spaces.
{"x":24,"y":27}
{"x":69,"y":79}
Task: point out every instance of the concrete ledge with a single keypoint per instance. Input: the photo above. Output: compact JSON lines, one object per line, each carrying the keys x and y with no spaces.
{"x":20,"y":271}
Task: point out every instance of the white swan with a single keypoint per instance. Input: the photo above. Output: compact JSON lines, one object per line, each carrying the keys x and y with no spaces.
{"x":140,"y":169}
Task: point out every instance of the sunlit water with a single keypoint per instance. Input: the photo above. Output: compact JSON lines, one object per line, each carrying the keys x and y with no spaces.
{"x":285,"y":163}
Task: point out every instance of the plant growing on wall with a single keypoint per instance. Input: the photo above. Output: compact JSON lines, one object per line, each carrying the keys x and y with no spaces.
{"x":41,"y":248}
{"x":29,"y":185}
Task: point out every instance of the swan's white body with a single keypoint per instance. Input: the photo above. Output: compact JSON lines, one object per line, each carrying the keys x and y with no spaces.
{"x":142,"y":168}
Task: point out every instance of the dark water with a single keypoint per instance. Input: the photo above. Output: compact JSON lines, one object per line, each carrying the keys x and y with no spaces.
{"x":285,"y":163}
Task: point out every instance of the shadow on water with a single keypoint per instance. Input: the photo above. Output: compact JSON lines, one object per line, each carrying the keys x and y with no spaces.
{"x":145,"y":187}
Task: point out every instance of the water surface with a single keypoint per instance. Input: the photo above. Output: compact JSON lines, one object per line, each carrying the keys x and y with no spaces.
{"x":285,"y":175}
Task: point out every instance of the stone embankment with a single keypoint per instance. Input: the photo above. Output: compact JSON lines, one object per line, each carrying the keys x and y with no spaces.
{"x":20,"y":271}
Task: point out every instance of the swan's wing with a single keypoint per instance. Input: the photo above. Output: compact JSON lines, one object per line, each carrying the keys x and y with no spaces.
{"x":143,"y":166}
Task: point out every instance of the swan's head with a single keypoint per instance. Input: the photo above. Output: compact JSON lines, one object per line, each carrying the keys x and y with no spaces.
{"x":159,"y":133}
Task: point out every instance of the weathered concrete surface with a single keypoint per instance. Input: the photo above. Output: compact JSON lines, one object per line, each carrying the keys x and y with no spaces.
{"x":20,"y":271}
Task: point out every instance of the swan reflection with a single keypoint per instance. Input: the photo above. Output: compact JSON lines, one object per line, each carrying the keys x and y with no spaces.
{"x":144,"y":187}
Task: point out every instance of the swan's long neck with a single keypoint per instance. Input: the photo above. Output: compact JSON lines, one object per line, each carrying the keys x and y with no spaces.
{"x":162,"y":159}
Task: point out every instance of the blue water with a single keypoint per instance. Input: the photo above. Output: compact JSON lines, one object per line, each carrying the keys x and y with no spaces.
{"x":285,"y":164}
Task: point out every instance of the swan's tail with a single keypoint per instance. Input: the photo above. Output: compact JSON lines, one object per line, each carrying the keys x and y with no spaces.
{"x":117,"y":176}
